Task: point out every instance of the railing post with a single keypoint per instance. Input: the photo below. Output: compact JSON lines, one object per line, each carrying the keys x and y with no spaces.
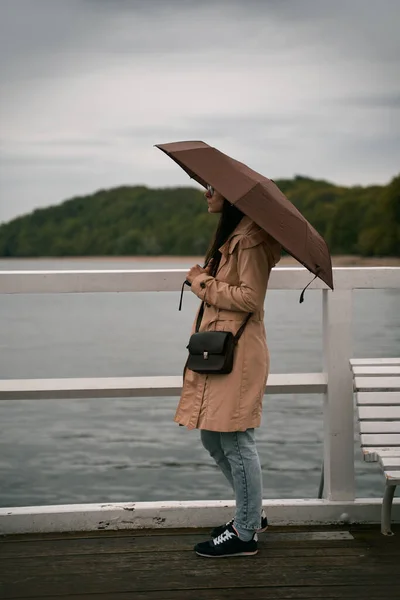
{"x":338,"y":401}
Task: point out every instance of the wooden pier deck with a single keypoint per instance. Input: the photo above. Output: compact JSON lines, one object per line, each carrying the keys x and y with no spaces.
{"x":293,"y":562}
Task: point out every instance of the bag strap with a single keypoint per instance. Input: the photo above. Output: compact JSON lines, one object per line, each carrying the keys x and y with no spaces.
{"x":199,"y":317}
{"x":239,"y":331}
{"x":241,"y":328}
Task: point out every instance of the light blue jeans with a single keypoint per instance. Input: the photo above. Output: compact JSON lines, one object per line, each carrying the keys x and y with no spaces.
{"x":236,"y":455}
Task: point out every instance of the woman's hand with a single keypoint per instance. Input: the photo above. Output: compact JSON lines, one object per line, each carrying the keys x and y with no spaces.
{"x":194,"y":271}
{"x":197,"y":270}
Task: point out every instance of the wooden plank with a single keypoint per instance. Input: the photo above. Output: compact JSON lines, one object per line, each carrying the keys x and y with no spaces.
{"x":379,"y":413}
{"x":380,"y":427}
{"x":170,"y":561}
{"x":365,"y":567}
{"x":378,"y":384}
{"x":121,"y":387}
{"x":392,"y":477}
{"x":278,"y":544}
{"x":378,"y":398}
{"x":342,"y":592}
{"x":153,"y":533}
{"x":380,"y":439}
{"x":372,"y":371}
{"x":151,"y":547}
{"x":379,"y":362}
{"x":388,"y":462}
{"x":118,"y":574}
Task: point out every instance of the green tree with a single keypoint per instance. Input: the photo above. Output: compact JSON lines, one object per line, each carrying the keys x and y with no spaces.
{"x":381,"y":235}
{"x":174,"y":221}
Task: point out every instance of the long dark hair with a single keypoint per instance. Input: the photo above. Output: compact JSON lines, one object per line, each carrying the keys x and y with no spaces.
{"x":229,"y":220}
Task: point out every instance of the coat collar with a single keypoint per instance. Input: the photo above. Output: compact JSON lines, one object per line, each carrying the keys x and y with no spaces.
{"x":244,"y":226}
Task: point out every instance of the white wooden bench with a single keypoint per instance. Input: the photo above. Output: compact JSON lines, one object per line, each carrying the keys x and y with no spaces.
{"x":377,"y":393}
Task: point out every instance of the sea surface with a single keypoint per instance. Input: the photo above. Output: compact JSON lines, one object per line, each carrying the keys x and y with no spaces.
{"x":110,"y":450}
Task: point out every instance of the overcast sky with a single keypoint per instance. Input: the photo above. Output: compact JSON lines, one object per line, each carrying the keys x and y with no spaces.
{"x":289,"y":87}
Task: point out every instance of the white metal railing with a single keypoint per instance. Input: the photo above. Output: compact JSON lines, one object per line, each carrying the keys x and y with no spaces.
{"x":170,"y":280}
{"x":335,"y":381}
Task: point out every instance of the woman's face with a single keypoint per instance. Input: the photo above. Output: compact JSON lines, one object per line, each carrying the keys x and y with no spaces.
{"x":215,"y":202}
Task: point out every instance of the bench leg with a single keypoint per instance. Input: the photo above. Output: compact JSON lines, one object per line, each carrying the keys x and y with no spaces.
{"x":387,"y":509}
{"x":321,"y":482}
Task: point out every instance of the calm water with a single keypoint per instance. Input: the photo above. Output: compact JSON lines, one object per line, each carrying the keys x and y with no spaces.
{"x":114,"y":450}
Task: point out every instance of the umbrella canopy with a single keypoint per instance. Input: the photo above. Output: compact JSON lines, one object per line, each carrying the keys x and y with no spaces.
{"x":257,"y":197}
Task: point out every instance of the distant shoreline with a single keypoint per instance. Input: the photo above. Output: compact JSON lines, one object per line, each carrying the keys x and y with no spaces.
{"x":337,"y":261}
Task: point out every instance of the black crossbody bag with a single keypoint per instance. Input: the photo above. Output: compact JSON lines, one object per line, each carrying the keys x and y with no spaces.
{"x":212,"y":352}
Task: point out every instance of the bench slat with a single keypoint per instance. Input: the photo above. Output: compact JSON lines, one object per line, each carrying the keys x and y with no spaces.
{"x":372,"y":371}
{"x":380,"y":439}
{"x":380,"y":427}
{"x":388,"y":452}
{"x":379,"y":413}
{"x":374,"y":361}
{"x":381,"y":384}
{"x":378,"y":398}
{"x":392,"y":477}
{"x":388,"y":462}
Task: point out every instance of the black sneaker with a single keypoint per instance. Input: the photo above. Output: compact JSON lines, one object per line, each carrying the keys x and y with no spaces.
{"x":227,"y":544}
{"x":221,"y":528}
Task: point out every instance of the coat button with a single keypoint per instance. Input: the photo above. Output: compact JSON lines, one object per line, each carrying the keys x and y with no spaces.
{"x":202,"y":285}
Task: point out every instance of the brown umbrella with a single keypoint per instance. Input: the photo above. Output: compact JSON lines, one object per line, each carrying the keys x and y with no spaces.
{"x":259,"y":198}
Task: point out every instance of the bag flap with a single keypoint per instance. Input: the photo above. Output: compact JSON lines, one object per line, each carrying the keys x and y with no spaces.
{"x":213,"y":342}
{"x":215,"y":363}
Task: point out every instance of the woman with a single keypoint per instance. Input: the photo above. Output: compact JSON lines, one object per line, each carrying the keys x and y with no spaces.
{"x":227,"y":408}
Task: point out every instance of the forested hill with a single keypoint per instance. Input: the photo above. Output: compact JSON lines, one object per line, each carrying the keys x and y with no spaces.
{"x":174,"y":221}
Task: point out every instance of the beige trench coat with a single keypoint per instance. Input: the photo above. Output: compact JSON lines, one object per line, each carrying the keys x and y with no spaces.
{"x":233,"y":402}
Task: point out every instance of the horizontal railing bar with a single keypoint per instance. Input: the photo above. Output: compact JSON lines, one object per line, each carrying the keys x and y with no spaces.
{"x":122,"y":387}
{"x":172,"y":514}
{"x":170,"y":280}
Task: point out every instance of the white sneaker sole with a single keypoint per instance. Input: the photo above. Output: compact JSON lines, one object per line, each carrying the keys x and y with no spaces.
{"x":228,"y":555}
{"x":262,"y":530}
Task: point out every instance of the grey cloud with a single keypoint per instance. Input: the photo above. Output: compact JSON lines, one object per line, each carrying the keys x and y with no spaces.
{"x":384,"y":100}
{"x":283,"y":49}
{"x":34,"y":34}
{"x":220,"y":125}
{"x":58,"y":32}
{"x":42,"y":162}
{"x":75,"y":143}
{"x":353,"y":30}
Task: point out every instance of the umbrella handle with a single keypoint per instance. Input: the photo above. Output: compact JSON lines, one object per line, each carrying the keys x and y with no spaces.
{"x":186,"y":282}
{"x":303,"y":292}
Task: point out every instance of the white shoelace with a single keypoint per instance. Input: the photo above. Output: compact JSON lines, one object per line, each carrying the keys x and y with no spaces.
{"x":224,"y":537}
